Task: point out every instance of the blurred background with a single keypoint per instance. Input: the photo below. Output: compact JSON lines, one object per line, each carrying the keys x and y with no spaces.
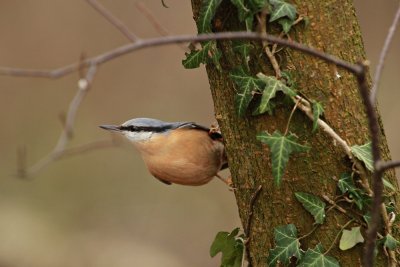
{"x":103,"y":208}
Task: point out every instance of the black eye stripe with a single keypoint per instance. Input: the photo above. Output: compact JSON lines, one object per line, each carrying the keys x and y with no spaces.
{"x":133,"y":128}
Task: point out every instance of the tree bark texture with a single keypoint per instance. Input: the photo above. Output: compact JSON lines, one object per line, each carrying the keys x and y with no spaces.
{"x":333,"y":28}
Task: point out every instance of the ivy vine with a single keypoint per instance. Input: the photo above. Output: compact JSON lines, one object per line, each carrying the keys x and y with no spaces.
{"x":287,"y":242}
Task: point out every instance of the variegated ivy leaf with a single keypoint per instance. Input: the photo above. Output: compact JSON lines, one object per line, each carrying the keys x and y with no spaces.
{"x":282,"y":9}
{"x":281,"y":146}
{"x":350,"y":238}
{"x":207,"y":13}
{"x":243,"y":48}
{"x":317,"y":258}
{"x":364,"y":153}
{"x":317,"y":110}
{"x":313,"y":205}
{"x":287,"y":245}
{"x":346,"y":185}
{"x":272,"y":85}
{"x":246,"y":85}
{"x":242,"y":9}
{"x":286,"y":24}
{"x":208,"y":53}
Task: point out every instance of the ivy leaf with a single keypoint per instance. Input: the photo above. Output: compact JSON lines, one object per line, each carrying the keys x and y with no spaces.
{"x":207,"y":13}
{"x":287,"y":245}
{"x":241,"y":8}
{"x":367,"y":218}
{"x":316,"y":258}
{"x":350,"y":238}
{"x":231,"y":247}
{"x":257,"y":5}
{"x":282,"y":9}
{"x":346,"y":185}
{"x":317,"y":110}
{"x":281,"y":146}
{"x":364,"y":153}
{"x":196,"y":57}
{"x":246,"y":86}
{"x":313,"y":205}
{"x":243,"y":48}
{"x":208,"y":53}
{"x":388,"y":184}
{"x":390,"y":242}
{"x":286,"y":24}
{"x":272,"y":85}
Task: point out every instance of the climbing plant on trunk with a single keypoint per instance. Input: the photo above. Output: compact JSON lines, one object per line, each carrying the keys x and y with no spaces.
{"x":296,"y":134}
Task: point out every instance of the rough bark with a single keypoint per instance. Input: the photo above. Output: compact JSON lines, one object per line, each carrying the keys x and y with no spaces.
{"x":333,"y":29}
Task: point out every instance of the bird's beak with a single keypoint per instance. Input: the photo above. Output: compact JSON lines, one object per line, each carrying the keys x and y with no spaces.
{"x":110,"y":128}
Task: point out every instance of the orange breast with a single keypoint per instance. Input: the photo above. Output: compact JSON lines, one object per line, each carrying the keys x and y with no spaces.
{"x":187,"y":157}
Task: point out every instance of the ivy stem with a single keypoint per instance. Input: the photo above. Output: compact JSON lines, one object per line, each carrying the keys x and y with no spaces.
{"x":309,"y":233}
{"x":337,"y":236}
{"x":291,"y":115}
{"x":262,"y":22}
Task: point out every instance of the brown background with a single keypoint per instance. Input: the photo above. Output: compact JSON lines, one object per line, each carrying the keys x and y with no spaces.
{"x":103,"y":208}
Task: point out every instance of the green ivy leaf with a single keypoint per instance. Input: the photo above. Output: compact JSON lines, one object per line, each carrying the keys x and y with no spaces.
{"x":388,"y":184}
{"x":364,"y":153}
{"x":350,"y":238}
{"x":287,"y":245}
{"x":390,"y":242}
{"x":208,"y":53}
{"x":241,"y":8}
{"x":243,"y":49}
{"x":313,"y":205}
{"x":281,"y":146}
{"x":257,"y":5}
{"x":282,"y":9}
{"x":272,"y":85}
{"x":196,"y":57}
{"x":286,"y":24}
{"x":316,"y":258}
{"x":367,"y":218}
{"x":246,"y":86}
{"x":317,"y":110}
{"x":346,"y":185}
{"x":207,"y":13}
{"x":231,"y":247}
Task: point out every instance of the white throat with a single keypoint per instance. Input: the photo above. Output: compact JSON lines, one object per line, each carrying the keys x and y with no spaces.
{"x":138,"y":136}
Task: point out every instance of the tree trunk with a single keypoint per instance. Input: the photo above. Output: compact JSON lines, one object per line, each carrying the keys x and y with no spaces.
{"x":332,"y":28}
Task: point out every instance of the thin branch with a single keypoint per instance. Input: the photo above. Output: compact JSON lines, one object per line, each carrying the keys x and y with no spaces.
{"x":385,"y":165}
{"x":382,"y":56}
{"x":59,"y":149}
{"x":113,"y":20}
{"x":156,"y":24}
{"x":152,"y":42}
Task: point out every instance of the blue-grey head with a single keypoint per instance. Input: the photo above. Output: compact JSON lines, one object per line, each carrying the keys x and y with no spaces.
{"x":142,"y":129}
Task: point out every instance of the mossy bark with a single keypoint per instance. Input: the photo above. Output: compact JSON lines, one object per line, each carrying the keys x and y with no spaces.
{"x":334,"y":29}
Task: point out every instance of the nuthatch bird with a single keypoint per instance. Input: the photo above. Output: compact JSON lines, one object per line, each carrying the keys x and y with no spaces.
{"x":176,"y":152}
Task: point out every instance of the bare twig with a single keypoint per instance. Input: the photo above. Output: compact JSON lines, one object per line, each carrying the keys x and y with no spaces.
{"x":385,"y":165}
{"x":382,"y":56}
{"x":152,"y":42}
{"x":113,"y":20}
{"x":59,"y":149}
